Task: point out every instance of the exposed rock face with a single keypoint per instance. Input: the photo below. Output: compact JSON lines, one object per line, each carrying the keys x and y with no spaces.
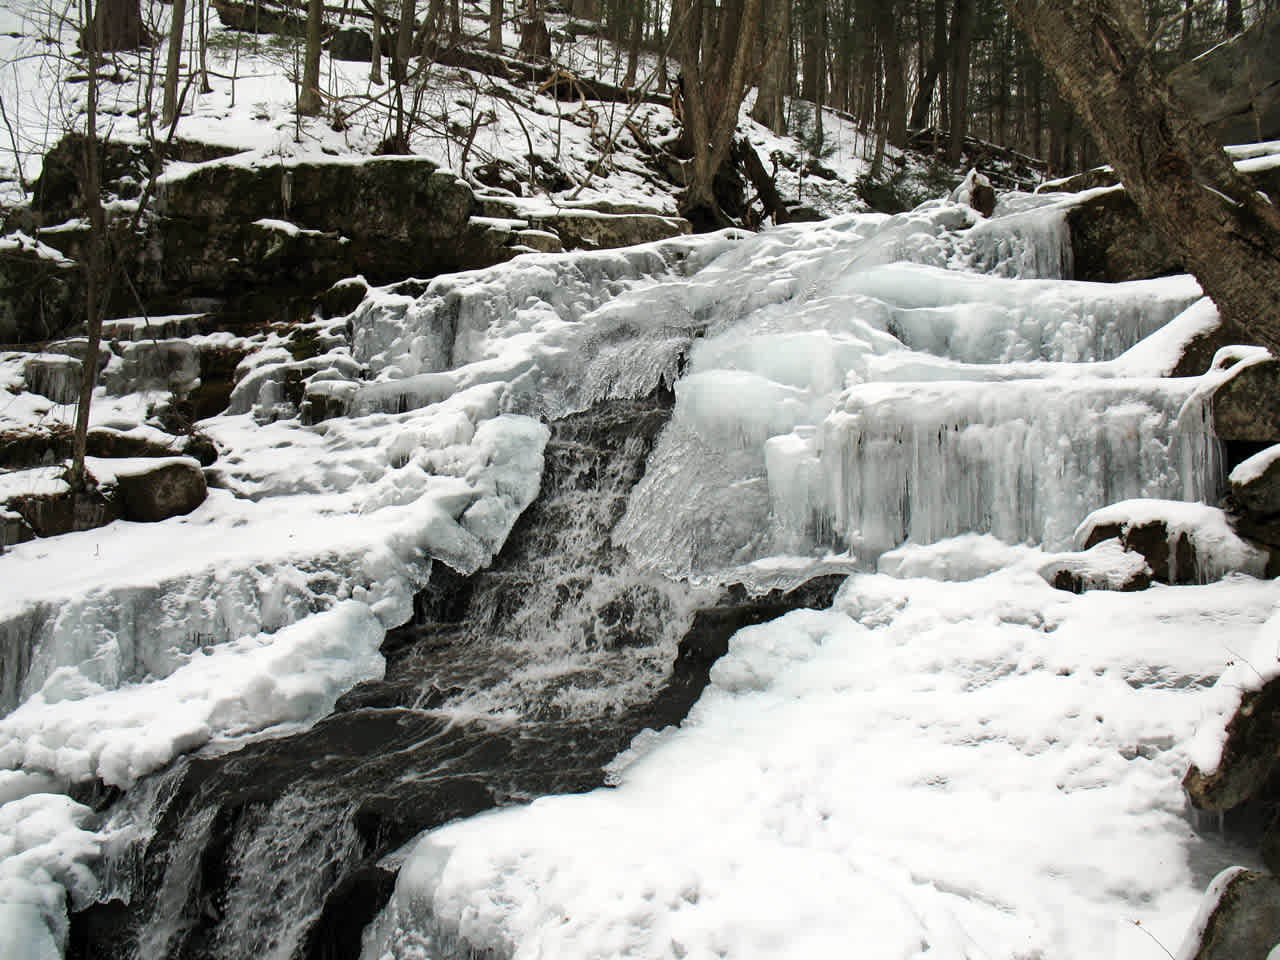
{"x":587,"y":229}
{"x":352,"y":45}
{"x":1254,"y":499}
{"x":1246,"y":408}
{"x":399,"y":216}
{"x":53,"y":514}
{"x":1234,"y":89}
{"x":1240,"y":918}
{"x":38,"y":294}
{"x":169,"y":489}
{"x":1110,"y":239}
{"x":1111,"y":242}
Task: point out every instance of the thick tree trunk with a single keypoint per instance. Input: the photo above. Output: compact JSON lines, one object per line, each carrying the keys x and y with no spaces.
{"x":1225,"y":233}
{"x":895,"y":80}
{"x":961,"y":36}
{"x":309,"y":103}
{"x":495,"y":26}
{"x":924,"y":97}
{"x":768,"y":109}
{"x":118,"y":26}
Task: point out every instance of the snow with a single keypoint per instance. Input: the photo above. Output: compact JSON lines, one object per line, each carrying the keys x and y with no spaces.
{"x":988,"y":768}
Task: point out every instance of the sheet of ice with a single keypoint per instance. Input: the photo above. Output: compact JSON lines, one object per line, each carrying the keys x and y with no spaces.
{"x":1218,"y":549}
{"x":1024,"y":460}
{"x":974,"y":769}
{"x":80,"y":730}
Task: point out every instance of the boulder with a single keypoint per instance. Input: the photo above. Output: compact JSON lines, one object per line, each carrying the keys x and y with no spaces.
{"x":154,"y":490}
{"x":1104,"y":566}
{"x":49,"y":507}
{"x":352,"y":45}
{"x":1182,"y":543}
{"x":1239,"y":918}
{"x":1254,"y":497}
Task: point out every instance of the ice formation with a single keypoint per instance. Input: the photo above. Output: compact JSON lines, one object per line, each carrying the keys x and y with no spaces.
{"x":848,"y":386}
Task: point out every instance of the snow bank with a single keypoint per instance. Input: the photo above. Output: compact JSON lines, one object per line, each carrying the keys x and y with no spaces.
{"x":80,"y":730}
{"x":985,"y":768}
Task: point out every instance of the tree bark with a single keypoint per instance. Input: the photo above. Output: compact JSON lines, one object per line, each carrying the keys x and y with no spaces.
{"x":495,"y":26}
{"x":768,"y":108}
{"x":117,"y":25}
{"x":1226,"y":234}
{"x":961,"y":37}
{"x":173,"y":64}
{"x":924,"y":98}
{"x":309,"y":102}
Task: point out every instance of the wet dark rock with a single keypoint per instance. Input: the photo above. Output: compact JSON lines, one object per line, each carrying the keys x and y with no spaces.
{"x":1244,"y":919}
{"x":1198,"y":352}
{"x":343,"y":297}
{"x":1248,"y":755}
{"x":40,"y":446}
{"x":1254,"y":504}
{"x":1111,"y":240}
{"x":169,"y":489}
{"x":1103,"y":176}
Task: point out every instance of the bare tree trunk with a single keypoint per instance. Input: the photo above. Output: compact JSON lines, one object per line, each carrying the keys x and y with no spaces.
{"x":633,"y":44}
{"x":173,"y":65}
{"x":119,"y":26}
{"x":309,"y":103}
{"x":895,"y":80}
{"x":375,"y":59}
{"x":768,"y":108}
{"x":94,"y":260}
{"x":495,"y":26}
{"x":924,"y":97}
{"x":1235,"y":18}
{"x":1181,"y":180}
{"x":961,"y":37}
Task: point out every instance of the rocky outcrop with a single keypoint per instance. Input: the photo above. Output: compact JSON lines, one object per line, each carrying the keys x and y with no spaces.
{"x":1246,"y":407}
{"x":1234,"y":89}
{"x":1239,"y":918}
{"x":39,"y":291}
{"x":151,"y":491}
{"x":1254,"y":497}
{"x":1111,"y":240}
